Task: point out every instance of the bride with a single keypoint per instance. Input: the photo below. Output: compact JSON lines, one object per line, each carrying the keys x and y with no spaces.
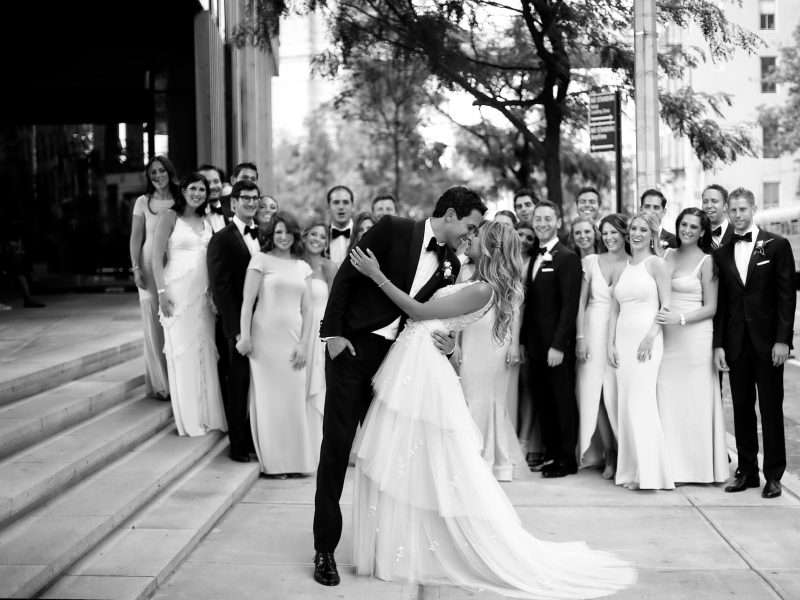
{"x":426,"y":508}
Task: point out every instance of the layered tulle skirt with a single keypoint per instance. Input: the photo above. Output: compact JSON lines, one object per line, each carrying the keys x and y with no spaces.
{"x":427,"y":509}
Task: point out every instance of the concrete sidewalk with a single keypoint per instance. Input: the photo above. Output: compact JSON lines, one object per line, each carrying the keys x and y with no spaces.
{"x":696,"y":542}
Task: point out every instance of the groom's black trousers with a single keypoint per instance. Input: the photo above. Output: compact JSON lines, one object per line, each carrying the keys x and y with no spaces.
{"x":558,"y":408}
{"x":347,"y":399}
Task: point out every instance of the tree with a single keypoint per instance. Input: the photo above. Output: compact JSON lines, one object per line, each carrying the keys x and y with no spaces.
{"x":785,"y":120}
{"x":528,"y":59}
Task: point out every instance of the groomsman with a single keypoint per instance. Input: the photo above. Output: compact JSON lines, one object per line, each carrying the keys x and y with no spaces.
{"x":549,"y":313}
{"x":229,"y":254}
{"x":340,"y":209}
{"x":588,"y":203}
{"x":524,"y":202}
{"x":715,"y":205}
{"x":384,"y":204}
{"x":753,"y":331}
{"x":218,"y":214}
{"x":653,"y":201}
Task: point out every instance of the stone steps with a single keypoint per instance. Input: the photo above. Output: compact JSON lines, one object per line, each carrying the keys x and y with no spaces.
{"x":143,"y":552}
{"x":29,"y":420}
{"x":37,"y":548}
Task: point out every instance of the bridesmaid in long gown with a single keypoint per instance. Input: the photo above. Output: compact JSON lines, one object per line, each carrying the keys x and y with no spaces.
{"x":635,"y":348}
{"x":315,"y":238}
{"x":186,"y":311}
{"x":596,"y":381}
{"x":276,"y":339}
{"x":162,"y":189}
{"x":689,"y":399}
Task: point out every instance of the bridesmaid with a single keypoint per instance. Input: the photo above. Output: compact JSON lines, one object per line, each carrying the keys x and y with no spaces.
{"x":185,"y":304}
{"x":689,"y":399}
{"x":596,"y":383}
{"x":162,"y":190}
{"x":506,"y":216}
{"x":276,"y":339}
{"x":635,"y":348}
{"x":584,"y":238}
{"x":267,"y":207}
{"x":363,"y":223}
{"x":315,"y":238}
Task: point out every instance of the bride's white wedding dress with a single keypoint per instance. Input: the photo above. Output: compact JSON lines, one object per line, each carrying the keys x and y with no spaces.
{"x":426,"y":507}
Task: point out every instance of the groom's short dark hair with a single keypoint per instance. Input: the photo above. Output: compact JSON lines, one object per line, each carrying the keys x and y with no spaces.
{"x":462,"y":200}
{"x":241,"y":186}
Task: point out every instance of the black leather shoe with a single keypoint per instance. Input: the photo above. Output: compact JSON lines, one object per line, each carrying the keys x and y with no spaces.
{"x":559,"y":470}
{"x":240,"y":457}
{"x":772,"y":489}
{"x":740,"y":484}
{"x":325,"y":572}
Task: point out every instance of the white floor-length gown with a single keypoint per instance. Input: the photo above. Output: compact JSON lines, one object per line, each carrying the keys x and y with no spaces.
{"x":642,"y":456}
{"x":315,"y":369}
{"x":189,"y":334}
{"x":427,"y":509}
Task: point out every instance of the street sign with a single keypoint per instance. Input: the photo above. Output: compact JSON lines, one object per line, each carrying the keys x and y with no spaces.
{"x":603,"y":126}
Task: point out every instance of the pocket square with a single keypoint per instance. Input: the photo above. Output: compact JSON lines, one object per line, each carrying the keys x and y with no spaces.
{"x":547,"y":270}
{"x":763,"y":262}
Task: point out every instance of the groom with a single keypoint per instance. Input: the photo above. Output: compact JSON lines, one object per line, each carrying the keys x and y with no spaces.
{"x":360,"y":325}
{"x":753,"y":331}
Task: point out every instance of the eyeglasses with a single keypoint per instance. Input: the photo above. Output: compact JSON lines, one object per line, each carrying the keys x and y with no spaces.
{"x":251,"y":200}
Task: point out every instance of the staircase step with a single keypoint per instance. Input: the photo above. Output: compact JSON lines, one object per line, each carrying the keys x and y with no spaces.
{"x":37,"y":548}
{"x":46,"y":370}
{"x":38,"y":473}
{"x":27,"y":421}
{"x":139,"y":556}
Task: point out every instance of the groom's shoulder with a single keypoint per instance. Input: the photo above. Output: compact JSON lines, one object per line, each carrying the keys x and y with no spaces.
{"x":396,"y":224}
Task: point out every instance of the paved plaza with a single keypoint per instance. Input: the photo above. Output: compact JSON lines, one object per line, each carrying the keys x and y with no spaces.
{"x":203,"y":527}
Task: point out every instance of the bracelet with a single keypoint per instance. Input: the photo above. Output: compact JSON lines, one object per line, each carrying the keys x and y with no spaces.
{"x":580,"y":337}
{"x":161,"y":291}
{"x":380,"y":285}
{"x":134,"y":268}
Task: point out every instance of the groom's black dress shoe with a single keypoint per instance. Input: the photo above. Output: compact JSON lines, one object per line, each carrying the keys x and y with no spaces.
{"x":325,"y":569}
{"x":240,"y":457}
{"x":559,"y":470}
{"x":772,"y":489}
{"x":740,"y":484}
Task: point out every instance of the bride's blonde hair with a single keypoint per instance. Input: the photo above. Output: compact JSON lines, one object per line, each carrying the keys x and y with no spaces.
{"x":500,"y":266}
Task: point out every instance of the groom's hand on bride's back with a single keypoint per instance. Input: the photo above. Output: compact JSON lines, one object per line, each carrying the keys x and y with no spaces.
{"x":445,"y":342}
{"x":336,"y":346}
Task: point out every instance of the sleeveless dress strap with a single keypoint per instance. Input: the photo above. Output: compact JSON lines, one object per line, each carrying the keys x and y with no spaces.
{"x":700,"y":264}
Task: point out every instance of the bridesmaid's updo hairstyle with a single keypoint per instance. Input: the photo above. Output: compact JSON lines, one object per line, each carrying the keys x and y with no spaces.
{"x":180,"y":203}
{"x":287,"y":218}
{"x":652,"y":224}
{"x":500,"y":266}
{"x":618,"y":222}
{"x":706,"y":241}
{"x":313,"y":225}
{"x":583,"y":219}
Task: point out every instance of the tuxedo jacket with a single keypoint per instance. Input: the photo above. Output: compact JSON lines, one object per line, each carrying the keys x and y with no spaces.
{"x":356,"y":305}
{"x":227,"y":212}
{"x":726,"y":237}
{"x":228,"y":258}
{"x":670,"y":238}
{"x":764,"y":305}
{"x":551,"y":303}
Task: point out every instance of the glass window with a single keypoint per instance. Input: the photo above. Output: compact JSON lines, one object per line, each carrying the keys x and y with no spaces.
{"x":768,"y":142}
{"x":767,"y":68}
{"x":772,"y":194}
{"x":767,"y":10}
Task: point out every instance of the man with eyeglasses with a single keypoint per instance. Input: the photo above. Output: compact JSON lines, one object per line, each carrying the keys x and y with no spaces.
{"x":229,"y":254}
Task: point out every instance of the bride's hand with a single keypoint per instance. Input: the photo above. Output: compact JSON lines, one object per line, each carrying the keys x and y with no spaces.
{"x":298,"y":357}
{"x":513,"y":356}
{"x":364,"y":264}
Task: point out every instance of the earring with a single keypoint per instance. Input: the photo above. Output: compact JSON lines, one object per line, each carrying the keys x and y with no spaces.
{"x":652,"y":245}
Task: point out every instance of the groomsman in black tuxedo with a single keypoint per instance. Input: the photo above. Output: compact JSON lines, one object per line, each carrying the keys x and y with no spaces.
{"x":340,"y":208}
{"x":715,"y":205}
{"x":653,"y":201}
{"x":229,"y":254}
{"x":218,"y":213}
{"x":549,"y":313}
{"x":753,"y":331}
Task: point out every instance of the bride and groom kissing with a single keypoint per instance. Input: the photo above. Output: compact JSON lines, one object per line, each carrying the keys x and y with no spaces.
{"x":426,"y":508}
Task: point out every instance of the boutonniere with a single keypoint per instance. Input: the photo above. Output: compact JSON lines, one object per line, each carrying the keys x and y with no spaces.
{"x":664,"y":244}
{"x":548,"y":256}
{"x":447,"y":271}
{"x":760,"y":244}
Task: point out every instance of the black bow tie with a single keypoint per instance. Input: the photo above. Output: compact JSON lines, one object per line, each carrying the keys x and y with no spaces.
{"x":433,"y":246}
{"x":251,"y":231}
{"x":217,"y":210}
{"x":717,"y":231}
{"x":542,"y":250}
{"x":747,"y":237}
{"x":337,"y":232}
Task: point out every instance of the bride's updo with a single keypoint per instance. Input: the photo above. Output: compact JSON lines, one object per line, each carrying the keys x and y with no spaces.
{"x":500,"y":266}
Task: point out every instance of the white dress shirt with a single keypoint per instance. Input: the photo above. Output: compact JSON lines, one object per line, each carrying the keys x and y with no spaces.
{"x":540,"y":257}
{"x":742,"y":251}
{"x":216,"y":221}
{"x":338,"y":247}
{"x":717,"y":239}
{"x":252,"y":244}
{"x":428,"y":263}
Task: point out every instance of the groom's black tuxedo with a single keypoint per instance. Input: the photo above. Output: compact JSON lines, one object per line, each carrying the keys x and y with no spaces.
{"x":752,"y":316}
{"x":228,"y":258}
{"x":551,"y":309}
{"x":357,"y":307}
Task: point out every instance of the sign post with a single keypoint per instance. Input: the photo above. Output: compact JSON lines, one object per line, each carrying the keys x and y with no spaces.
{"x":605,"y":130}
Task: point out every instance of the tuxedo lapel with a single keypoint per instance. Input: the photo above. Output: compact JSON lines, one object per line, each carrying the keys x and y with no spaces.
{"x":762,"y":235}
{"x":239,"y":237}
{"x":553,"y":252}
{"x":417,"y":236}
{"x":730,"y":256}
